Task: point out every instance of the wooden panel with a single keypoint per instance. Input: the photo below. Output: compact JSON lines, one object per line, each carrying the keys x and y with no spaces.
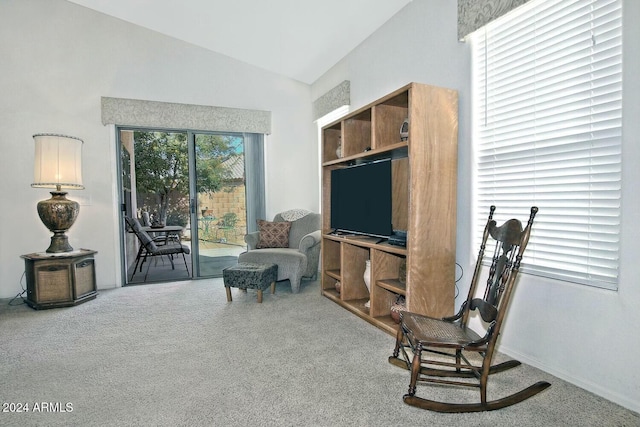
{"x":384,"y":266}
{"x":53,"y":282}
{"x":85,"y":277}
{"x":399,"y":98}
{"x":433,"y":139}
{"x":356,"y":137}
{"x":326,"y":198}
{"x":387,"y":266}
{"x":330,"y":139}
{"x":387,"y":122}
{"x":393,"y":285}
{"x":330,"y":263}
{"x":400,"y":193}
{"x":353,"y":262}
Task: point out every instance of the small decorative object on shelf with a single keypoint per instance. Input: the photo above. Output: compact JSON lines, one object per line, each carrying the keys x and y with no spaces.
{"x":402,"y":271}
{"x":338,"y":286}
{"x":339,"y":149}
{"x":367,"y":279}
{"x":404,"y":130}
{"x":397,"y":307}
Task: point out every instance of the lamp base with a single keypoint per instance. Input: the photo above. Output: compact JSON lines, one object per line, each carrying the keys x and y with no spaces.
{"x":58,"y":214}
{"x":59,"y":243}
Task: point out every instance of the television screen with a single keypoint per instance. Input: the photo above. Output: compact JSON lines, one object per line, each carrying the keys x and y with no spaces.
{"x":361,"y":199}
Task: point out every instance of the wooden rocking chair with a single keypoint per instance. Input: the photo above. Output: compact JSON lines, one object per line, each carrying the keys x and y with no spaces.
{"x":438,"y":350}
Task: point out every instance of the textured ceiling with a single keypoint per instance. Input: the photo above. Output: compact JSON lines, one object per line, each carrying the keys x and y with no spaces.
{"x":300,"y":39}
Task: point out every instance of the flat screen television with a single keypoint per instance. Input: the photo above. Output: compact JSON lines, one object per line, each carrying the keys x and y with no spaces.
{"x":361,"y":199}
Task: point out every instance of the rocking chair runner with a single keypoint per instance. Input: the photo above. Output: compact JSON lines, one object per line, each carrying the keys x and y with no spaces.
{"x":440,"y":347}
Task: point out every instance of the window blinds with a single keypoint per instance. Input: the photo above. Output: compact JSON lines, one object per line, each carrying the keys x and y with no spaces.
{"x":547,"y":109}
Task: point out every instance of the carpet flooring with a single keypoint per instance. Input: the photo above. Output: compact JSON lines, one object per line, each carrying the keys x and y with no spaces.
{"x":178,"y":354}
{"x":160,"y":269}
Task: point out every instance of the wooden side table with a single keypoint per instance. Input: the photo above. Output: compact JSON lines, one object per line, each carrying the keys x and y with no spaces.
{"x":60,"y":280}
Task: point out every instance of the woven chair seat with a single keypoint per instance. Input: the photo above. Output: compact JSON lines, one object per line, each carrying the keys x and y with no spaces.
{"x":436,"y":332}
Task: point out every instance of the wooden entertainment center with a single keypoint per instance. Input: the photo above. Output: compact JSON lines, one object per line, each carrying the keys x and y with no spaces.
{"x":424,"y":177}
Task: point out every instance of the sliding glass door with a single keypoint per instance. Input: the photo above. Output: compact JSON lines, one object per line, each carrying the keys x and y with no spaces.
{"x":195,"y":182}
{"x":220,"y":212}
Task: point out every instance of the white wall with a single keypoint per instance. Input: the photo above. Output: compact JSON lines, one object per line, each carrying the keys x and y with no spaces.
{"x":584,"y":335}
{"x":58,"y":59}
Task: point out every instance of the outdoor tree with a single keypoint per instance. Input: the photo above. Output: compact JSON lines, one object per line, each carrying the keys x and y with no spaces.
{"x":162,"y":169}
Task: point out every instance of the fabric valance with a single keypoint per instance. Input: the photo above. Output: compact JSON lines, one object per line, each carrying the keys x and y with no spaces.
{"x":474,"y":14}
{"x":136,"y":112}
{"x":335,"y":98}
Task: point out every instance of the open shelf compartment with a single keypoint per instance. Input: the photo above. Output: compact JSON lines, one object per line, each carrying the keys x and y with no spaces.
{"x":331,"y":272}
{"x":388,"y":117}
{"x":357,"y":134}
{"x":353,"y":286}
{"x":387,"y":282}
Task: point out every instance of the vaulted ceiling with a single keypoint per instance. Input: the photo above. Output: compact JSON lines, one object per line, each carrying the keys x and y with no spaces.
{"x":300,"y":39}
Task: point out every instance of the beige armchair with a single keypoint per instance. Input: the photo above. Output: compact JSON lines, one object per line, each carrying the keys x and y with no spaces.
{"x":302,"y":252}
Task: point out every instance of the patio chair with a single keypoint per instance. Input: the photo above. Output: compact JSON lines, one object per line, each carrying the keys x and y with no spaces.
{"x":149,"y":248}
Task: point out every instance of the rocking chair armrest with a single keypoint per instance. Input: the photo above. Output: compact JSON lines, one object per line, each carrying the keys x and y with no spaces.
{"x":482,"y":342}
{"x":456,"y":316}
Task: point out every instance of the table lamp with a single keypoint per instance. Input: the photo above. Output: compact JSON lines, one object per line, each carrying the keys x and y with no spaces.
{"x":58,"y":164}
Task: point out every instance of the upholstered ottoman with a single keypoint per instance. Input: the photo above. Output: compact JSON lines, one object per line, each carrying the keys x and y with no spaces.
{"x":246,"y":275}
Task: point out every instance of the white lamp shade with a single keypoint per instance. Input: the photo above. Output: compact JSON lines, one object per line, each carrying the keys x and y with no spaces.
{"x":58,"y":161}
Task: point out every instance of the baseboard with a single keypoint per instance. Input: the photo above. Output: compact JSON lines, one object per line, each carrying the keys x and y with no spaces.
{"x":579,"y":382}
